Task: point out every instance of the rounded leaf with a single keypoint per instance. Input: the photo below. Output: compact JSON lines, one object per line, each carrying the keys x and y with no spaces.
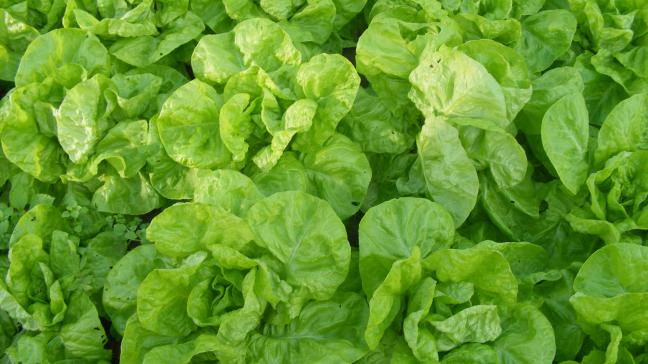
{"x":305,"y":235}
{"x":189,"y":127}
{"x":390,"y":231}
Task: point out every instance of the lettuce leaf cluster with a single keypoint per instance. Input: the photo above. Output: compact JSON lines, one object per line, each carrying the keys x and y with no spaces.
{"x":324,"y":181}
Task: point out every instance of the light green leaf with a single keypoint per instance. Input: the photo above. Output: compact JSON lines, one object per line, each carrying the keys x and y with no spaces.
{"x":119,"y":293}
{"x":81,"y":332}
{"x":419,"y":338}
{"x":527,"y":337}
{"x":162,"y":298}
{"x":298,"y":117}
{"x":15,"y":36}
{"x":145,"y":50}
{"x":450,"y":177}
{"x":487,"y":270}
{"x":624,"y":129}
{"x":340,"y":174}
{"x":565,"y":134}
{"x":476,"y":324}
{"x":83,"y":117}
{"x":236,"y":125}
{"x":325,"y":332}
{"x":56,"y":51}
{"x":610,"y":287}
{"x":189,"y":127}
{"x":129,"y":196}
{"x":507,"y":66}
{"x":550,"y":87}
{"x":449,"y":83}
{"x":229,"y":190}
{"x":313,"y":23}
{"x":392,"y":230}
{"x":308,"y":240}
{"x":40,"y":220}
{"x":28,"y":138}
{"x":264,"y":43}
{"x":186,"y":228}
{"x":546,"y":36}
{"x":216,"y":59}
{"x":387,"y":300}
{"x":331,"y":81}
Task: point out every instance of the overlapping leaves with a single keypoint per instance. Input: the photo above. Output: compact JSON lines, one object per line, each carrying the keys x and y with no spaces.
{"x":261,"y":139}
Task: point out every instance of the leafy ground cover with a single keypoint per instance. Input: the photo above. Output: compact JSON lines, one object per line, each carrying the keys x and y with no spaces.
{"x":324,"y":181}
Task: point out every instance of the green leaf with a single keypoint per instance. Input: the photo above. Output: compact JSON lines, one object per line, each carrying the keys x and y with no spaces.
{"x":236,"y":325}
{"x":565,"y":134}
{"x":601,"y":93}
{"x":83,"y":118}
{"x":333,"y":83}
{"x":550,"y":87}
{"x":229,"y":190}
{"x":546,"y":36}
{"x":124,"y":147}
{"x":25,"y":256}
{"x":477,"y":324}
{"x":119,"y":292}
{"x":216,"y":59}
{"x":288,"y":175}
{"x":392,"y":230}
{"x":326,"y":331}
{"x":451,"y":84}
{"x":136,"y":94}
{"x":55,"y":52}
{"x":339,"y":173}
{"x":617,"y":191}
{"x":144,"y":50}
{"x":28,"y":136}
{"x":624,"y":129}
{"x":42,"y":221}
{"x":189,"y":127}
{"x":162,"y":298}
{"x":264,"y":43}
{"x":450,"y":177}
{"x":236,"y":125}
{"x":138,"y":341}
{"x":505,"y":157}
{"x":507,"y":66}
{"x":169,"y":178}
{"x":308,"y":240}
{"x":81,"y":331}
{"x":7,"y":330}
{"x":242,"y":9}
{"x":297,"y":118}
{"x":395,"y":58}
{"x":136,"y":22}
{"x":609,"y":288}
{"x":186,"y":228}
{"x":183,"y":352}
{"x":420,"y":340}
{"x":527,"y":337}
{"x":494,"y":281}
{"x":375,"y":127}
{"x":471,"y":354}
{"x":99,"y":255}
{"x":15,"y":36}
{"x":313,"y":23}
{"x":212,"y":13}
{"x":128,"y":196}
{"x":387,"y":299}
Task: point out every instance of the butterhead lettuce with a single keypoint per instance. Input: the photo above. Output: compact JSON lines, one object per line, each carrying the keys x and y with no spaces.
{"x":323,"y":181}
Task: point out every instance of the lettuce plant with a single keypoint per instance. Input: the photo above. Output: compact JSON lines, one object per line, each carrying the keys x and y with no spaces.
{"x":323,"y":181}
